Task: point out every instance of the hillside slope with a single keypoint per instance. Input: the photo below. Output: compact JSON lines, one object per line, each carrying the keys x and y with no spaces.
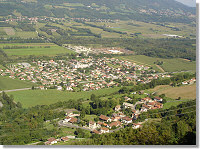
{"x":141,"y":10}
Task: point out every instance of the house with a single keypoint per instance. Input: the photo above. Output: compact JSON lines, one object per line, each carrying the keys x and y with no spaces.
{"x":115,"y":117}
{"x":126,"y":120}
{"x":147,"y":99}
{"x":64,"y":139}
{"x":73,"y":120}
{"x":51,"y":141}
{"x":158,"y":105}
{"x":141,"y":92}
{"x":136,"y":126}
{"x":41,"y":87}
{"x":116,"y":124}
{"x":104,"y":130}
{"x":118,"y":107}
{"x":67,"y":119}
{"x":128,"y":105}
{"x":143,"y":109}
{"x":95,"y":131}
{"x":71,"y":137}
{"x":158,"y":99}
{"x":185,"y":82}
{"x":92,"y":125}
{"x":127,"y":98}
{"x":105,"y":118}
{"x":59,"y":88}
{"x":121,"y":114}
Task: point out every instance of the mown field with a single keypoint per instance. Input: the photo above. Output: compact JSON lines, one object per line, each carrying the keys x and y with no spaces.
{"x":9,"y":84}
{"x":7,"y":32}
{"x":169,"y":65}
{"x":185,"y":91}
{"x":38,"y":49}
{"x":30,"y":98}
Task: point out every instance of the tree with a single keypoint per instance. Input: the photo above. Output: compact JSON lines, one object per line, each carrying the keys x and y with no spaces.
{"x":82,"y":114}
{"x":93,"y":97}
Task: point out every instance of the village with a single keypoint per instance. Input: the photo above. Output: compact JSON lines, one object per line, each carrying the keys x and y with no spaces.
{"x":81,"y":75}
{"x":104,"y":124}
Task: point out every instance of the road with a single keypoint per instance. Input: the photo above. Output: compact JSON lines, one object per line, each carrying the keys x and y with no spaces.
{"x":60,"y":123}
{"x":13,"y":90}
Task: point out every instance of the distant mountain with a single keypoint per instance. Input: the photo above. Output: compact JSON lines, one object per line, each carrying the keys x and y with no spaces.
{"x":141,"y":10}
{"x":190,"y":3}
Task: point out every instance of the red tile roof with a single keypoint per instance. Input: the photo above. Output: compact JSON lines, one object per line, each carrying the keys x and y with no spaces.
{"x":103,"y":117}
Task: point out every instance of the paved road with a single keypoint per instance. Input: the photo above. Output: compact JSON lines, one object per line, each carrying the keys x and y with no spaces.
{"x":22,"y":89}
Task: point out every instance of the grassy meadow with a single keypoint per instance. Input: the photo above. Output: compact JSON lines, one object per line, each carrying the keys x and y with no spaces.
{"x":38,"y":49}
{"x":169,"y":65}
{"x":185,"y":91}
{"x":30,"y":98}
{"x":7,"y":83}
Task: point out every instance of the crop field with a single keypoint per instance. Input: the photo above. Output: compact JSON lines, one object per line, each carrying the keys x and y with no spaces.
{"x":30,"y":98}
{"x":8,"y":84}
{"x":169,"y":65}
{"x":149,"y":30}
{"x":36,"y":49}
{"x":9,"y":31}
{"x":23,"y":34}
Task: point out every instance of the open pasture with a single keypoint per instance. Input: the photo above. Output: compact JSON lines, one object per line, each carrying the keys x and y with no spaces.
{"x":38,"y":49}
{"x":7,"y":83}
{"x":30,"y":98}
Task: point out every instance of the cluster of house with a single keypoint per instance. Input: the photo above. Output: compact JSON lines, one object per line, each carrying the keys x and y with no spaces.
{"x":78,"y":49}
{"x":163,"y":12}
{"x":52,"y":140}
{"x":118,"y":119}
{"x":191,"y":81}
{"x":32,"y":19}
{"x":100,"y":73}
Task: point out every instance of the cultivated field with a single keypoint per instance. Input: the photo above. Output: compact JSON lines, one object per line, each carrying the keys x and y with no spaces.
{"x":36,"y":49}
{"x":31,"y":98}
{"x":169,"y":65}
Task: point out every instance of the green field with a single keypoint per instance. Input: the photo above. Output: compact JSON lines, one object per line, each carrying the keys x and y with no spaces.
{"x":37,"y":49}
{"x":8,"y":84}
{"x":169,"y":65}
{"x":2,"y":67}
{"x":174,"y":103}
{"x":90,"y":117}
{"x":30,"y":98}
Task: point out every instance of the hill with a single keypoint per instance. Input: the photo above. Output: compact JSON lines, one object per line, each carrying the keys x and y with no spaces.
{"x":141,"y":10}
